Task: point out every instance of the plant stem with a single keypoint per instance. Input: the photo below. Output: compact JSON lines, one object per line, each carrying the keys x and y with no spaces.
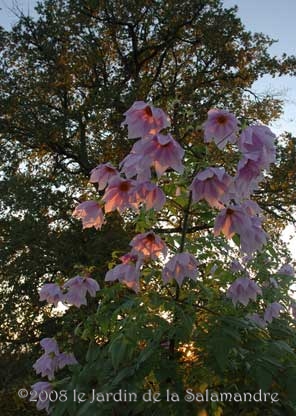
{"x":183,"y":235}
{"x":182,"y":245}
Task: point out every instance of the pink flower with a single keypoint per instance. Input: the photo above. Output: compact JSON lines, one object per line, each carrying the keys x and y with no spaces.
{"x":138,"y":165}
{"x":46,"y":365}
{"x":257,"y":143}
{"x":50,"y":345}
{"x":162,"y":152}
{"x":242,"y":290}
{"x":126,"y":273}
{"x":150,"y":195}
{"x":247,"y":178}
{"x":102,"y":174}
{"x":43,"y":389}
{"x":272,"y":311}
{"x":143,"y":119}
{"x":78,"y":287}
{"x":235,"y":266}
{"x":236,"y":220}
{"x":91,"y":214}
{"x":212,"y":184}
{"x":148,"y":245}
{"x":232,"y":220}
{"x":221,"y":126}
{"x":120,"y":195}
{"x":51,"y":292}
{"x":180,"y":266}
{"x":255,"y":317}
{"x":128,"y":258}
{"x":251,"y":207}
{"x":254,"y":238}
{"x":287,"y":270}
{"x":52,"y":359}
{"x":66,"y":359}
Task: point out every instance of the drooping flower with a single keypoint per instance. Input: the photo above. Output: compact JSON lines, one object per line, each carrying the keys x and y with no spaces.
{"x":126,"y":273}
{"x":247,"y":178}
{"x":143,"y":119}
{"x":253,"y":239}
{"x":65,"y":358}
{"x":255,"y":317}
{"x":220,"y":127}
{"x":235,"y":266}
{"x":135,"y":164}
{"x":257,"y":143}
{"x":91,"y":214}
{"x":102,"y":174}
{"x":128,"y":258}
{"x":162,"y":151}
{"x":236,"y":220}
{"x":46,"y":365}
{"x":150,"y":195}
{"x":272,"y":311}
{"x":180,"y":266}
{"x":251,"y":207}
{"x":52,"y":359}
{"x":212,"y":184}
{"x":77,"y":288}
{"x":242,"y":290}
{"x":232,"y":220}
{"x":286,"y":269}
{"x":50,"y":346}
{"x":148,"y":245}
{"x":51,"y":292}
{"x":119,"y":195}
{"x":43,"y":389}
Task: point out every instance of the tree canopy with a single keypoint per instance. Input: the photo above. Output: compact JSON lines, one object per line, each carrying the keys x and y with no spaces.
{"x":67,"y":77}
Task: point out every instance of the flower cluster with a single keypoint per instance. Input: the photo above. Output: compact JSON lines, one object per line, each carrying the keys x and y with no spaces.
{"x":153,"y":154}
{"x":52,"y":359}
{"x":131,"y":187}
{"x":73,"y":292}
{"x":136,"y":186}
{"x":231,"y":194}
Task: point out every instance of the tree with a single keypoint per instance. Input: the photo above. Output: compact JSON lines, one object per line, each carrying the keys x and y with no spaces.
{"x":66,"y":80}
{"x":167,"y":339}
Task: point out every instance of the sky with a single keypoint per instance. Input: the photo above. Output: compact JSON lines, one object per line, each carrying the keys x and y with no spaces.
{"x":275,"y":18}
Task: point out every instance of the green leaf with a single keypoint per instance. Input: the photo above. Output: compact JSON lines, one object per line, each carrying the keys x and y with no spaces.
{"x":121,"y":350}
{"x":263,"y":377}
{"x":93,"y":352}
{"x":221,"y":347}
{"x":123,"y":374}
